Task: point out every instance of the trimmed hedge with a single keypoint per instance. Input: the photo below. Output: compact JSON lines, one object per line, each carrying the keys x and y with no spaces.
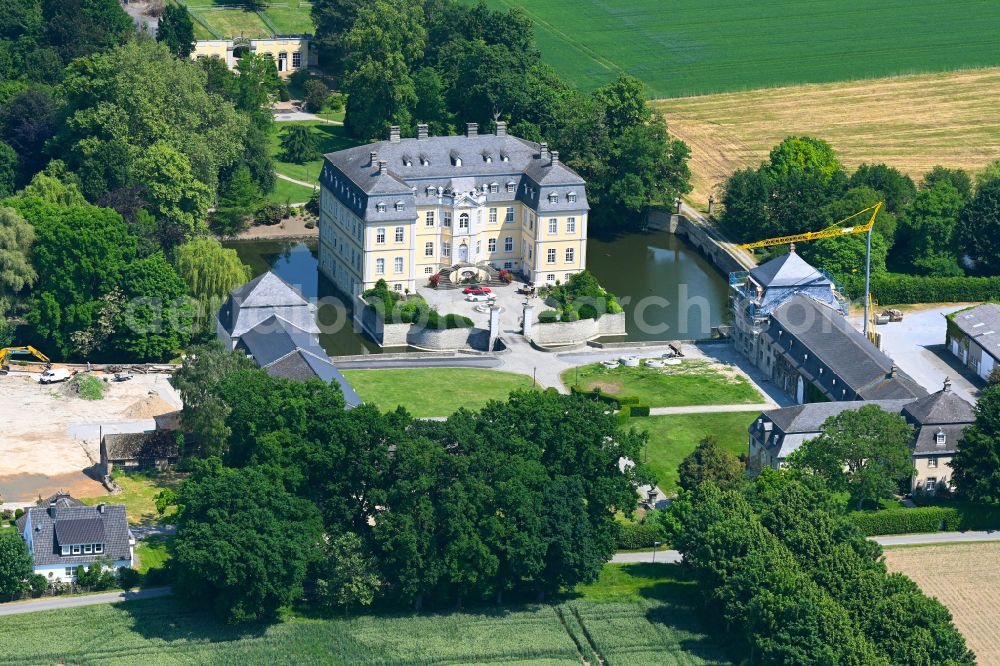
{"x":905,"y":521}
{"x":639,"y":410}
{"x":548,"y":317}
{"x":898,"y":289}
{"x":633,"y":536}
{"x":952,"y":518}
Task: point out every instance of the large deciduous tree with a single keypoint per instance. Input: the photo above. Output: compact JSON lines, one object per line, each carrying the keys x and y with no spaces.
{"x":15,"y":565}
{"x":16,"y":271}
{"x":157,"y":319}
{"x":978,"y":229}
{"x":175,"y":196}
{"x":176,"y":30}
{"x":8,"y":170}
{"x":976,"y":465}
{"x":27,"y":121}
{"x":333,"y":20}
{"x":927,"y":242}
{"x":243,"y":544}
{"x":210,"y":272}
{"x":710,"y":462}
{"x":864,"y":451}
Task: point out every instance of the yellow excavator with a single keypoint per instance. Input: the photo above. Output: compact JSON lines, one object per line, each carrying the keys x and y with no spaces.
{"x":7,"y":352}
{"x":834,"y":230}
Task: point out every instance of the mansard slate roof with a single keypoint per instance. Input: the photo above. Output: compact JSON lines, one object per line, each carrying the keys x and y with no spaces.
{"x":813,"y":337}
{"x":788,"y":270}
{"x":413,"y":165}
{"x":982,"y":324}
{"x":941,"y":408}
{"x":74,"y":524}
{"x":264,"y":291}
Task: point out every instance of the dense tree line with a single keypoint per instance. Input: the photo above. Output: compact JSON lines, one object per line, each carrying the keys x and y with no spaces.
{"x":445,"y":63}
{"x":945,"y":227}
{"x":114,"y":149}
{"x":976,"y":465}
{"x":517,"y":499}
{"x":787,"y":577}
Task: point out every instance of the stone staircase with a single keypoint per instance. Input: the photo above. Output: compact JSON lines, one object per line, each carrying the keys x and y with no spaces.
{"x":493,"y":276}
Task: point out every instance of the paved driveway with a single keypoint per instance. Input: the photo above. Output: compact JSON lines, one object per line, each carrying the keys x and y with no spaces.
{"x":916,"y":344}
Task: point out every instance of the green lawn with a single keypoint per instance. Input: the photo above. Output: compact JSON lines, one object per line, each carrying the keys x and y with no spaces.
{"x":229,"y":22}
{"x":285,"y":191}
{"x":329,"y":138}
{"x":672,"y":438}
{"x":434,"y":391}
{"x":691,"y":383}
{"x":152,"y":553}
{"x":634,"y":615}
{"x":692,"y":47}
{"x":139,"y":491}
{"x":291,"y":20}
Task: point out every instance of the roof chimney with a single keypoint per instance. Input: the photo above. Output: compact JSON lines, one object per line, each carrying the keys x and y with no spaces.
{"x":893,"y":370}
{"x":421,"y":131}
{"x":501,"y":128}
{"x":100,"y":507}
{"x":394,"y":134}
{"x":947,"y":384}
{"x":791,"y":248}
{"x":471,"y":130}
{"x":374,"y":158}
{"x":52,"y":509}
{"x":543,"y":150}
{"x":555,"y":157}
{"x":382,"y":167}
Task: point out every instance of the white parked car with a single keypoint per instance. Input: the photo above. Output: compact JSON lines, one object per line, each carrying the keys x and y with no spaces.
{"x":478,"y":298}
{"x":54,"y":376}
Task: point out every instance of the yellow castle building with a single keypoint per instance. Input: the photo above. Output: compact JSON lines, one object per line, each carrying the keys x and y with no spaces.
{"x":403,"y":210}
{"x":289,"y":52}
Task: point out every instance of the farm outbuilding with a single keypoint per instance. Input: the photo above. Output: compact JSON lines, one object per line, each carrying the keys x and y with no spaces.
{"x":157,"y":449}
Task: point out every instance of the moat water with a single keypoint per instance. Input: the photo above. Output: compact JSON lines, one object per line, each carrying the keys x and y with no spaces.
{"x":668,"y":290}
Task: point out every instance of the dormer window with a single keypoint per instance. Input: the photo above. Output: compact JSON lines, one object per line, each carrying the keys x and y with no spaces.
{"x":431,"y":190}
{"x":553,"y":198}
{"x":98,"y":547}
{"x":380,"y":207}
{"x":494,"y":188}
{"x":940,"y":438}
{"x":487,"y":158}
{"x":424,"y":161}
{"x":571,"y":197}
{"x":504,"y":157}
{"x":511,"y":186}
{"x":400,"y":205}
{"x":456,"y":159}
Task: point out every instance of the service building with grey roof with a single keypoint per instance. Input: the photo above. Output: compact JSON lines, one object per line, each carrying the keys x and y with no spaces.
{"x":63,"y":534}
{"x":789,"y":320}
{"x":939,"y":421}
{"x":405,"y":209}
{"x":974,"y":337}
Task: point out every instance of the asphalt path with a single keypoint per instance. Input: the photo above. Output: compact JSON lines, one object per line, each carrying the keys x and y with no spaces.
{"x":55,"y":603}
{"x":673,"y":556}
{"x":450,"y":362}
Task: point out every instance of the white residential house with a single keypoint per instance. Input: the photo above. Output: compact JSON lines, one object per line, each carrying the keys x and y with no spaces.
{"x":63,"y":533}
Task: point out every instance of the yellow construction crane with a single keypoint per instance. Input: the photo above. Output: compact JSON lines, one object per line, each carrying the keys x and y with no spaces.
{"x":7,"y":352}
{"x":837,"y":229}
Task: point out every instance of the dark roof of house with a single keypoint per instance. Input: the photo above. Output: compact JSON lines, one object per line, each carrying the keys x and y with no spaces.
{"x":810,"y":417}
{"x":941,"y":408}
{"x":73,"y":522}
{"x":141,"y":445}
{"x":60,"y":499}
{"x":788,"y":270}
{"x":286,"y":351}
{"x":830,"y":343}
{"x":79,"y":530}
{"x":267,"y":290}
{"x":926,"y":442}
{"x":982,"y":324}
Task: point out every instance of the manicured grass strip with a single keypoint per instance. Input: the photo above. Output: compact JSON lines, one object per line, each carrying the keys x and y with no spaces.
{"x":329,"y":138}
{"x":291,"y":20}
{"x":434,"y":391}
{"x":152,"y":553}
{"x":139,"y":493}
{"x":231,"y":23}
{"x":672,"y":438}
{"x":694,"y":382}
{"x":285,"y":191}
{"x":691,"y":47}
{"x":641,"y":581}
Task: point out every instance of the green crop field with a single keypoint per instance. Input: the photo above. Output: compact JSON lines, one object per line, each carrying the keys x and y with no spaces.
{"x":634,"y":615}
{"x":692,"y":47}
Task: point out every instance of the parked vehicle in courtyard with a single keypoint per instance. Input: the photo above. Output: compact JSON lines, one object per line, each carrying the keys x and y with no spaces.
{"x":478,"y":298}
{"x":54,"y":376}
{"x":477,"y":290}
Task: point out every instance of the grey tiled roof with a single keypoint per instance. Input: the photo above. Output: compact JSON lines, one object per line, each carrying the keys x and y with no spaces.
{"x":823,"y":345}
{"x":423,"y":171}
{"x":71,"y":531}
{"x":787,"y":270}
{"x":809,"y":418}
{"x":156,"y":444}
{"x":941,"y":408}
{"x":44,"y":530}
{"x":981,"y":323}
{"x":266,"y":292}
{"x":926,"y":442}
{"x":274,"y":338}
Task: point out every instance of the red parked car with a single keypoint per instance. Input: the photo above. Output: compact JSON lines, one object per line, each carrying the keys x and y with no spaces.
{"x":477,"y":290}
